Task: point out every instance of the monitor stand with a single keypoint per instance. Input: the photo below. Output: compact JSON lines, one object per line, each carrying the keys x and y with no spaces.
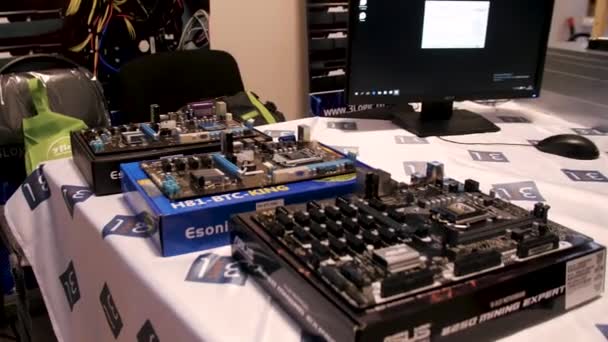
{"x":441,"y":119}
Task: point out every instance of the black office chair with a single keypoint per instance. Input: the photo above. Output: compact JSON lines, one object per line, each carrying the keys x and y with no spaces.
{"x":173,"y":79}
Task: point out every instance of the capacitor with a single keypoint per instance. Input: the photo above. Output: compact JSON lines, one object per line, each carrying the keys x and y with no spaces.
{"x":434,"y":172}
{"x":471,"y":185}
{"x":303,"y":133}
{"x":228,"y":116}
{"x":193,"y":163}
{"x":417,"y":178}
{"x":372,"y":183}
{"x":227,"y":143}
{"x":166,"y":165}
{"x":220,"y":109}
{"x":249,"y":123}
{"x":180,"y":165}
{"x":154,"y":113}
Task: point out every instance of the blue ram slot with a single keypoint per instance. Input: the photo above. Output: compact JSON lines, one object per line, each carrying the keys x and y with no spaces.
{"x":148,"y":131}
{"x":330,"y":165}
{"x":226,"y":165}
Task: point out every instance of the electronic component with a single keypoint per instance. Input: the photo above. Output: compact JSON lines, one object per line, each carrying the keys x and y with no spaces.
{"x":303,"y":133}
{"x":98,"y":152}
{"x":257,"y":163}
{"x":377,"y":255}
{"x":398,"y":258}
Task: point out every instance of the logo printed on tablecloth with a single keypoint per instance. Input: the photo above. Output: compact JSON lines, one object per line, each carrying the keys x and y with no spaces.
{"x":35,"y":188}
{"x":147,"y":333}
{"x":411,"y":167}
{"x":277,"y":133}
{"x":69,"y":281}
{"x":483,"y":156}
{"x":589,"y":131}
{"x":132,"y":226}
{"x":603,"y":329}
{"x":585,"y":176}
{"x":409,"y":140}
{"x":519,"y":191}
{"x":343,"y":125}
{"x":110,"y":311}
{"x":514,"y":119}
{"x":347,"y":149}
{"x":212,"y":268}
{"x":73,"y":194}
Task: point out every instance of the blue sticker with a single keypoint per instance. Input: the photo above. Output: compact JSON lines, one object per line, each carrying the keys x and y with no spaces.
{"x":69,"y":281}
{"x":212,"y":268}
{"x":35,"y":188}
{"x":75,"y":194}
{"x":603,"y":329}
{"x":483,"y":156}
{"x":147,"y":333}
{"x":589,"y":131}
{"x":514,"y":119}
{"x":132,"y":226}
{"x":409,"y":140}
{"x":585,"y":176}
{"x":519,"y":191}
{"x":110,"y":310}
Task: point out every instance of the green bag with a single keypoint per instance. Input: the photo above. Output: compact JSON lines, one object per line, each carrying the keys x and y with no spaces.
{"x":47,"y":134}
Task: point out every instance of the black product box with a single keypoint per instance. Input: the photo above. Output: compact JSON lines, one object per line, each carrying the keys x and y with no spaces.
{"x":103,"y":172}
{"x":481,"y":308}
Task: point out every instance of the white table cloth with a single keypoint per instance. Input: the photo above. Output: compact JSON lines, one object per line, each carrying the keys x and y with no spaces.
{"x":106,"y":287}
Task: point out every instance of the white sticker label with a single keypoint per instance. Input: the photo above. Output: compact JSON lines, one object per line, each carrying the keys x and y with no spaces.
{"x":585,"y":278}
{"x":263,"y":206}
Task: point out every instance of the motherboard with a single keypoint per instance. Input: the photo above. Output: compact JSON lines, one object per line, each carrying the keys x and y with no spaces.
{"x":198,"y":124}
{"x":247,"y":164}
{"x":394,"y":240}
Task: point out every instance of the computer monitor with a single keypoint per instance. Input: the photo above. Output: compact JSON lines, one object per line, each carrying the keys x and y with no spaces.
{"x":440,"y":51}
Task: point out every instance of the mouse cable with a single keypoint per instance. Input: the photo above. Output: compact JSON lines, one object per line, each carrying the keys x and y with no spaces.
{"x":484,"y":144}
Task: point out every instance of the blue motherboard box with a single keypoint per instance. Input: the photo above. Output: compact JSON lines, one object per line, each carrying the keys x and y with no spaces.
{"x":179,"y":227}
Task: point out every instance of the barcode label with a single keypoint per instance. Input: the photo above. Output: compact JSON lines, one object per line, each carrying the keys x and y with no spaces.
{"x":585,"y":278}
{"x":268,"y":205}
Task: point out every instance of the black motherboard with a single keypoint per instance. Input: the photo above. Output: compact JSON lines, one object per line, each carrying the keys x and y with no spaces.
{"x":395,"y":240}
{"x":247,"y":164}
{"x":194,"y":125}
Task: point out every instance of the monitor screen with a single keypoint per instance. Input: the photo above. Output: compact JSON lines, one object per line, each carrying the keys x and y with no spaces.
{"x":441,"y":50}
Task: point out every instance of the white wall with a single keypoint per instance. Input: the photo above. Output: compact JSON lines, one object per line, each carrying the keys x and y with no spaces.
{"x":268,"y":39}
{"x":562,"y":11}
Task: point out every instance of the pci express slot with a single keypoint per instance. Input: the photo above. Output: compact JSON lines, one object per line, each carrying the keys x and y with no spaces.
{"x":226,"y":165}
{"x":476,"y":262}
{"x":456,"y":237}
{"x":309,"y":171}
{"x":537,"y":245}
{"x":405,"y":282}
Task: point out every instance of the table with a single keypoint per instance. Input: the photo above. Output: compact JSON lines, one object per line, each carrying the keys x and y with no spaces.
{"x":117,"y":287}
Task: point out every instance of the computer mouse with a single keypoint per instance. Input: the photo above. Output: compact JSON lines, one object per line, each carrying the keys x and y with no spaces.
{"x":569,"y":146}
